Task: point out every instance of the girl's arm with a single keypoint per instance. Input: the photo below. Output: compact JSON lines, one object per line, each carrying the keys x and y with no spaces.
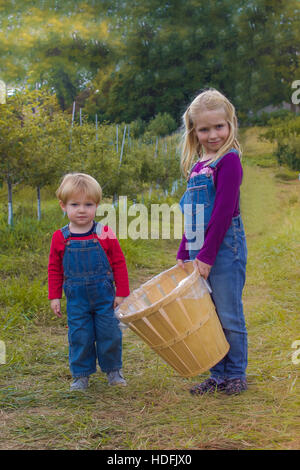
{"x":183,"y":253}
{"x":203,"y":268}
{"x":228,"y":178}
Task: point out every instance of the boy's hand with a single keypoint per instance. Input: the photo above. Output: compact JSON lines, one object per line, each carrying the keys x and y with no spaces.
{"x":55,"y":306}
{"x":118,"y":301}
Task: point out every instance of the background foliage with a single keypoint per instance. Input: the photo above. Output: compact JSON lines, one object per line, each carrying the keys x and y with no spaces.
{"x":128,"y":60}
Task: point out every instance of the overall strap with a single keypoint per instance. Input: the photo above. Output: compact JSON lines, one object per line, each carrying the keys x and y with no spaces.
{"x":191,"y":170}
{"x":98,"y":229}
{"x":214,"y":164}
{"x":66,"y":232}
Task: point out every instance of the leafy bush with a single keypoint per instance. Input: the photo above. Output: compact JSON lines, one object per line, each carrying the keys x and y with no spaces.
{"x":137,"y":128}
{"x":264,"y":118}
{"x":286,"y":134}
{"x":162,"y":125}
{"x":286,"y":175}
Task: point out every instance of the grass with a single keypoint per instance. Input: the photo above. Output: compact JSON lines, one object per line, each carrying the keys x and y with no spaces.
{"x":155,"y":410}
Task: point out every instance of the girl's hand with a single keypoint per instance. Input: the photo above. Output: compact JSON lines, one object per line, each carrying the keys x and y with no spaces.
{"x":55,"y":306}
{"x":180,"y":263}
{"x":118,"y":301}
{"x":203,"y":268}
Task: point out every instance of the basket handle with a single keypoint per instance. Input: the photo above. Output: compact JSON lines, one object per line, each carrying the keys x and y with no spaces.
{"x":122,"y":325}
{"x":204,"y":280}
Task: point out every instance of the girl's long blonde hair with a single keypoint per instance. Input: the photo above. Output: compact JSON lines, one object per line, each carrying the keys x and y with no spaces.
{"x":208,"y":100}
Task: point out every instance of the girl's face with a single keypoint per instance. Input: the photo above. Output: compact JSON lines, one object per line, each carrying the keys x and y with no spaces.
{"x":81,"y":212}
{"x":212,"y":130}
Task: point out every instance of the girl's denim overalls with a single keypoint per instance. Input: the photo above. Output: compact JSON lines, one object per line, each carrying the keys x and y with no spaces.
{"x":93,"y":328}
{"x":227,"y":275}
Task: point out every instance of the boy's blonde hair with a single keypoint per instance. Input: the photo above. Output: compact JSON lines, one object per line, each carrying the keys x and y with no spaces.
{"x":208,"y":100}
{"x":74,"y":183}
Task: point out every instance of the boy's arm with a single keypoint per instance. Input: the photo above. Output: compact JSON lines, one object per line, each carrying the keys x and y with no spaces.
{"x":120,"y":270}
{"x":55,"y":267}
{"x":117,"y":261}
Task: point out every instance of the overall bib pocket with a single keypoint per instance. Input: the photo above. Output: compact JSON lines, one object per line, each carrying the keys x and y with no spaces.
{"x":194,"y":200}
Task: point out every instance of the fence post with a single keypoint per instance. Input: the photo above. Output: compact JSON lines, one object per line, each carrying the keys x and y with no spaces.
{"x":129,"y":140}
{"x":73,"y":115}
{"x":10,"y":206}
{"x":38,"y":203}
{"x":122,"y":148}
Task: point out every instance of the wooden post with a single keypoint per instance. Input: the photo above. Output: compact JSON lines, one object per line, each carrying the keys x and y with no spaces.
{"x":96,"y":127}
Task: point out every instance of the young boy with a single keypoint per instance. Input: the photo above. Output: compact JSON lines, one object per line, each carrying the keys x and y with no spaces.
{"x":85,"y":259}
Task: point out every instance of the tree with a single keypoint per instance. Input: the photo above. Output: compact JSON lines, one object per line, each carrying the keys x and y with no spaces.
{"x":46,"y":142}
{"x":12,"y":169}
{"x":57,"y":44}
{"x":134,"y":59}
{"x":268,"y":38}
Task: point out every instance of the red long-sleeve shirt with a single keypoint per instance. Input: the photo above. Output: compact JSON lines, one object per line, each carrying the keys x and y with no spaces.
{"x":113,"y":251}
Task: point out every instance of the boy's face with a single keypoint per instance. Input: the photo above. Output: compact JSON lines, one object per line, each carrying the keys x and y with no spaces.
{"x":81,"y":212}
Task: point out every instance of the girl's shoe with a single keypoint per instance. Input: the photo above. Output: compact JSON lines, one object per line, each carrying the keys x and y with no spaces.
{"x":115,"y":377}
{"x":235,"y":386}
{"x":208,"y":386}
{"x":80,"y":383}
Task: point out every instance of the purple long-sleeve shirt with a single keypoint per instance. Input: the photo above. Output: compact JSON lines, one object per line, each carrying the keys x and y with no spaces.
{"x":227,"y":175}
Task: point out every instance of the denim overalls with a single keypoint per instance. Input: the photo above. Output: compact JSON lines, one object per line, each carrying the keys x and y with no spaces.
{"x":227,"y":275}
{"x":93,"y":328}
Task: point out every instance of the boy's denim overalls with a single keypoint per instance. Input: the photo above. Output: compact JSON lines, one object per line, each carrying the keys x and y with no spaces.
{"x":227,"y":276}
{"x":93,"y":328}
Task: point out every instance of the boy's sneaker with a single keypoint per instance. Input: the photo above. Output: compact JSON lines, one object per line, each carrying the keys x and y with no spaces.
{"x":235,"y":386}
{"x":115,"y":377}
{"x":80,"y":383}
{"x":208,"y":386}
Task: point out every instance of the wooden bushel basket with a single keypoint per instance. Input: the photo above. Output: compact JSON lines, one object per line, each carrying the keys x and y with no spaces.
{"x":174,"y":314}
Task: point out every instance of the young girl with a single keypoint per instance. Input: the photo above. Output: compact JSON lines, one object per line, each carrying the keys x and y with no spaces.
{"x":85,"y":258}
{"x":213,"y":187}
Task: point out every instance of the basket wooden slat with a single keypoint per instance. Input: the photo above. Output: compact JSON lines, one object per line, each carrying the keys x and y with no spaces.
{"x":174,"y":314}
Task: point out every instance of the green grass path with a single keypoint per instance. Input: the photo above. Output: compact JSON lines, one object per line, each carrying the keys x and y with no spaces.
{"x":156,"y":411}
